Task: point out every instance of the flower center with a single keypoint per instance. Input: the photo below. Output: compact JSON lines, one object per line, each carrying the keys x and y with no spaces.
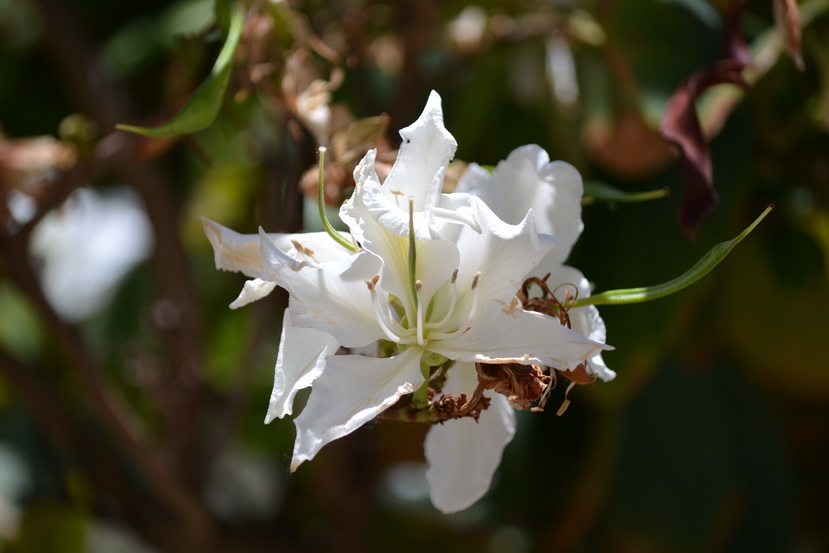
{"x":412,"y":326}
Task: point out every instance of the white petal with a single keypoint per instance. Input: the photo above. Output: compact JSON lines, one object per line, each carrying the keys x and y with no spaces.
{"x":372,"y":211}
{"x":463,"y":454}
{"x":350,"y":392}
{"x":233,"y":251}
{"x":528,"y":180}
{"x":454,"y":208}
{"x":382,"y":228}
{"x":503,"y":254}
{"x":333,"y":299}
{"x":423,"y":157}
{"x":253,"y":290}
{"x":301,"y":359}
{"x":503,"y":335}
{"x":586,"y":320}
{"x":241,"y":252}
{"x":565,"y":281}
{"x":317,"y":248}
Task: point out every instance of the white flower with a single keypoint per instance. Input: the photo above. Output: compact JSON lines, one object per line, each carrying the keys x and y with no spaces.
{"x":526,"y":180}
{"x":451,"y":298}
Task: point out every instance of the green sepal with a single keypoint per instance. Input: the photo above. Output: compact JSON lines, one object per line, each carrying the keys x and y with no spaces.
{"x":699,"y":270}
{"x":203,"y":106}
{"x":420,"y":397}
{"x":431,"y":359}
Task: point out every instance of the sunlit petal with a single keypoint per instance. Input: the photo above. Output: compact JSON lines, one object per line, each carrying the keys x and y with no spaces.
{"x":333,"y":299}
{"x":526,"y":180}
{"x":503,"y":335}
{"x":502,"y":253}
{"x":241,"y":252}
{"x":463,"y":454}
{"x":350,"y":392}
{"x":569,"y":283}
{"x":234,"y":251}
{"x":301,"y":359}
{"x":423,"y":157}
{"x":253,"y":290}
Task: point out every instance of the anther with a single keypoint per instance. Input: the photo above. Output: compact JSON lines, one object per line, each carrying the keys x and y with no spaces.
{"x":452,"y":302}
{"x":474,"y":311}
{"x":566,"y":403}
{"x":382,"y":318}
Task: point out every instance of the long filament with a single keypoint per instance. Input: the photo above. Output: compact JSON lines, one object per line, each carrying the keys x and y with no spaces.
{"x":452,"y":302}
{"x":382,"y":316}
{"x":473,"y":312}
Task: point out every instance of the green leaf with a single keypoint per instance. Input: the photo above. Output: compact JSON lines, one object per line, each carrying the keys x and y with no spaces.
{"x":699,"y":270}
{"x":203,"y":106}
{"x":595,"y":191}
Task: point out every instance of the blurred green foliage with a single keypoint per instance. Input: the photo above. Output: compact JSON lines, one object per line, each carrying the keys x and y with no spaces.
{"x":713,"y":437}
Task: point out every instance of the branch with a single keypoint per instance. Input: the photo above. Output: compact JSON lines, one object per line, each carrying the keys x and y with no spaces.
{"x":106,"y":104}
{"x":110,"y":410}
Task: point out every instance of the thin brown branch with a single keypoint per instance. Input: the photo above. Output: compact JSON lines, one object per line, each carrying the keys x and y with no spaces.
{"x":106,"y":104}
{"x":43,"y":403}
{"x":105,"y":467}
{"x":110,"y":410}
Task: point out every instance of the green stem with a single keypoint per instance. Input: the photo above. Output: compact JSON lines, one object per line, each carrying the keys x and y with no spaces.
{"x":332,"y":232}
{"x":600,"y":192}
{"x":699,"y":270}
{"x":420,"y":398}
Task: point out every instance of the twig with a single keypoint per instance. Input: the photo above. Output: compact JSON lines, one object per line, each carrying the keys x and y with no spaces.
{"x":106,"y":104}
{"x":109,"y":408}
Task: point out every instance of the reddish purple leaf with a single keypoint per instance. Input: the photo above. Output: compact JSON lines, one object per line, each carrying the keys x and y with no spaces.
{"x":681,"y":126}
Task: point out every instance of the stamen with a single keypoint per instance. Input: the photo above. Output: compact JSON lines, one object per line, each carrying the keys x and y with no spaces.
{"x":452,"y":302}
{"x":566,"y":402}
{"x":381,"y":315}
{"x":418,"y":290}
{"x":473,"y":312}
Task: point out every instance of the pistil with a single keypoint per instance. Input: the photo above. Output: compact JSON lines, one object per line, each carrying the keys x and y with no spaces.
{"x":419,"y":323}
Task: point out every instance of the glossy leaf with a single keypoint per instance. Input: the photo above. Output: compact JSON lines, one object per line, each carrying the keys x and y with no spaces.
{"x":203,"y":106}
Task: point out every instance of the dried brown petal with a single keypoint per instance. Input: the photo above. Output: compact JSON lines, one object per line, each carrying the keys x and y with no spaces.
{"x":523,"y":385}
